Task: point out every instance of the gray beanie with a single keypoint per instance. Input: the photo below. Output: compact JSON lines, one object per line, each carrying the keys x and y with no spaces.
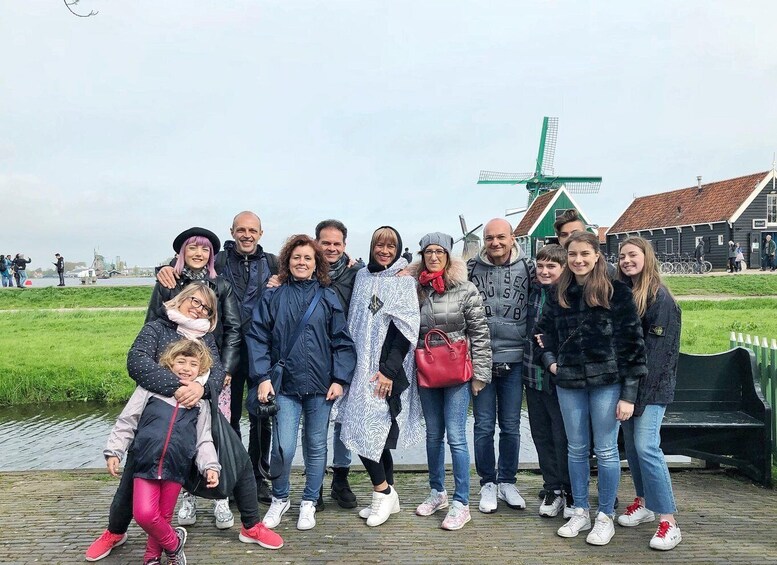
{"x":437,"y":238}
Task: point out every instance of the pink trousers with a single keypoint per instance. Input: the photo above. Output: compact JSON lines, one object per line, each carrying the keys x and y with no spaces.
{"x":153,"y":503}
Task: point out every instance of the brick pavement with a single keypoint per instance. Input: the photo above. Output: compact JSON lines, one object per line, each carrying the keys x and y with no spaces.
{"x":51,"y":517}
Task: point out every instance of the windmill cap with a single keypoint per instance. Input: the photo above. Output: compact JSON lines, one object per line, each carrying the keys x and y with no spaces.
{"x":437,"y":238}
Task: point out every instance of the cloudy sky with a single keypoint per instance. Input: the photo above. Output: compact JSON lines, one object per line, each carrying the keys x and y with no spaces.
{"x":120,"y":130}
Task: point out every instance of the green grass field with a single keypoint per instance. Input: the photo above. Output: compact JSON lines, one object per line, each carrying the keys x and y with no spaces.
{"x":734,"y":285}
{"x":76,"y":297}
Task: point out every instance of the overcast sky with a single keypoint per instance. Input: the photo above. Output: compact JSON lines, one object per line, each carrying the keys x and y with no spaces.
{"x":120,"y":130}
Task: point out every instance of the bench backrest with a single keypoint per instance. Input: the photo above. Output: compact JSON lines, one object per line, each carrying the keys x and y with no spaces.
{"x":713,"y":382}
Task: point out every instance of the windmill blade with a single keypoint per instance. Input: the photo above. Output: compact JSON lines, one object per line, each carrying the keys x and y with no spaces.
{"x":463,"y":224}
{"x":549,"y":153}
{"x":493,"y":177}
{"x":582,"y":186}
{"x":472,"y":231}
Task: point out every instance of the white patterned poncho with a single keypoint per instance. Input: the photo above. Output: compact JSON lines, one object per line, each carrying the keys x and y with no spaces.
{"x":378,"y":299}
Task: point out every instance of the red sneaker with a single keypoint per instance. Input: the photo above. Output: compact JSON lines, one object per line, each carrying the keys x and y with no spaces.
{"x":262,"y":535}
{"x":103,"y":545}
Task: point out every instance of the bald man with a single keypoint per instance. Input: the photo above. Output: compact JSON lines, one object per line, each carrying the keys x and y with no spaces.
{"x":503,"y":276}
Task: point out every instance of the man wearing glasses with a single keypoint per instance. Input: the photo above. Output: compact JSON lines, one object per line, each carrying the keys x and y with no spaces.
{"x":503,"y":277}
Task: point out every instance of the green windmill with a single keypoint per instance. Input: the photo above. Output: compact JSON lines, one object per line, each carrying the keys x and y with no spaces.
{"x":543,"y":179}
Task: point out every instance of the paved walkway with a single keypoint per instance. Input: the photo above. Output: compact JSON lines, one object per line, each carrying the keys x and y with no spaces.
{"x":51,"y":517}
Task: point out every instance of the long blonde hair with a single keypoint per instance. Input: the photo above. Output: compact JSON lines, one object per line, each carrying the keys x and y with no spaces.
{"x":646,"y":284}
{"x":597,"y":288}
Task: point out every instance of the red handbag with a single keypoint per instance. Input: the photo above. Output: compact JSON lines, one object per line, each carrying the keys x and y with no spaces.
{"x":445,"y":364}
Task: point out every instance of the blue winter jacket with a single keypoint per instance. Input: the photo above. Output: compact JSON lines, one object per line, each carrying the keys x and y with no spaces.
{"x":324,"y":352}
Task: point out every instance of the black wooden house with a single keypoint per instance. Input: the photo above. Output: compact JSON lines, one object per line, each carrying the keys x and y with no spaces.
{"x":742,"y":210}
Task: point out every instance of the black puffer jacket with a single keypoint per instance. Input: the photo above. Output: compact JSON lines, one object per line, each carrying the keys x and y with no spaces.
{"x":594,"y":346}
{"x":143,"y":359}
{"x":661,"y":326}
{"x":227,"y":330}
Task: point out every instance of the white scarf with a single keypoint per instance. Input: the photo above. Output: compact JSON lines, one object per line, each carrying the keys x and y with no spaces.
{"x":188,"y":327}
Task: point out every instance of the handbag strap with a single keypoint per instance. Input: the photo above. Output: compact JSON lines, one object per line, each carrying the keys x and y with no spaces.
{"x":439,"y":333}
{"x":303,"y":322}
{"x":575,"y":331}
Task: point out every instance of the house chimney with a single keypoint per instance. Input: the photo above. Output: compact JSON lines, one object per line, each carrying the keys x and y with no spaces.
{"x":698,"y":183}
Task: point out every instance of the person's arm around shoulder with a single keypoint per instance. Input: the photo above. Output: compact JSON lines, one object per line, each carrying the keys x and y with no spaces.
{"x":167,"y":277}
{"x":479,"y":337}
{"x":231,"y":323}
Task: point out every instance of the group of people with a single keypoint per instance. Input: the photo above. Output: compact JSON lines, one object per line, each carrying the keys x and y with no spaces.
{"x":14,"y":270}
{"x":735,"y":257}
{"x":316,"y":337}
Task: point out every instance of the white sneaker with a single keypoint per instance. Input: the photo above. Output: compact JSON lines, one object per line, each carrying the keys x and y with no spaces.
{"x":509,"y":493}
{"x":487,"y":498}
{"x":365,"y":512}
{"x":636,"y":514}
{"x":579,"y":521}
{"x":383,"y":506}
{"x":187,"y":514}
{"x":223,"y":515}
{"x":667,"y":536}
{"x":278,"y":508}
{"x":603,"y":530}
{"x":552,"y":504}
{"x":434,"y":502}
{"x":307,"y":515}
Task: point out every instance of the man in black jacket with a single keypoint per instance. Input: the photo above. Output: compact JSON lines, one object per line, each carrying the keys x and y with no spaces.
{"x":247,"y":267}
{"x":60,"y":264}
{"x":331,"y":235}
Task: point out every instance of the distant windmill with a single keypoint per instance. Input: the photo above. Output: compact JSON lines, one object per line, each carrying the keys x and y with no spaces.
{"x":543,"y":179}
{"x":471,"y":241}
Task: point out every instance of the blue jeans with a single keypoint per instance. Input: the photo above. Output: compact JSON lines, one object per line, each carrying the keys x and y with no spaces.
{"x":584,"y":409}
{"x":316,"y":424}
{"x":445,"y":411}
{"x":22,"y":277}
{"x":7,"y":279}
{"x":500,"y":398}
{"x":642,"y":438}
{"x":341,"y":456}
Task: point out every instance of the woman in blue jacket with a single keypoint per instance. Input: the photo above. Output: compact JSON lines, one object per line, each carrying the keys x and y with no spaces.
{"x":319,"y":364}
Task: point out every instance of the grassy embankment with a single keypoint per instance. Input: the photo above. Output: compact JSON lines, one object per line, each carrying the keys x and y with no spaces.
{"x":81,"y":355}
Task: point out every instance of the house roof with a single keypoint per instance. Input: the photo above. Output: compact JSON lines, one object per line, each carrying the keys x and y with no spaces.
{"x":716,"y":202}
{"x":533,"y":213}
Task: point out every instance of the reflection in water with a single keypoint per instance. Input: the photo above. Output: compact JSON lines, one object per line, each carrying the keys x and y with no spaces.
{"x":72,"y":436}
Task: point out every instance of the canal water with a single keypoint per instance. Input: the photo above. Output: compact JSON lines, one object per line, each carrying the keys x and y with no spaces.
{"x":72,"y":436}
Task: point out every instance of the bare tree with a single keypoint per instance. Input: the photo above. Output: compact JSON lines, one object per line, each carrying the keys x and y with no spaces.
{"x":75,"y":3}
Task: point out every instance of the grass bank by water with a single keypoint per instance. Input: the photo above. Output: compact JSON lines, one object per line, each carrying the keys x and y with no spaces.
{"x":58,"y":356}
{"x":75,"y":297}
{"x":708,"y":324}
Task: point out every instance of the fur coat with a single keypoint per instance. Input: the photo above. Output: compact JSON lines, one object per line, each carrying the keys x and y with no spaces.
{"x":594,"y":346}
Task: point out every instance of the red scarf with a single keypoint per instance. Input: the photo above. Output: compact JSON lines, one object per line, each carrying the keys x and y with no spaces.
{"x":438,"y":284}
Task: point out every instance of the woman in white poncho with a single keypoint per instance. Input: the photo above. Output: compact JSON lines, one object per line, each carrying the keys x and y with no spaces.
{"x":382,"y":408}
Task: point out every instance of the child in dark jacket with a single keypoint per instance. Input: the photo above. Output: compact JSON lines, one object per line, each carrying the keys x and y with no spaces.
{"x":165,"y":440}
{"x":545,"y":421}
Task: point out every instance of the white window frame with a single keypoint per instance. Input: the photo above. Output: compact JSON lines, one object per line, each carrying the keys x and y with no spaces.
{"x":771,"y":209}
{"x":720,"y":240}
{"x":698,"y":239}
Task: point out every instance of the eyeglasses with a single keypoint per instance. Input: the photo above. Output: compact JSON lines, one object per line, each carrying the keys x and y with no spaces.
{"x":197,"y":303}
{"x":430,"y":252}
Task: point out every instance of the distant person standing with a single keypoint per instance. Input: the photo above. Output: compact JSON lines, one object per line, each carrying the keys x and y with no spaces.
{"x":770,"y":248}
{"x":740,"y":258}
{"x":20,"y":269}
{"x":60,"y":264}
{"x":5,"y":271}
{"x":732,"y":257}
{"x":407,"y":256}
{"x":698,"y":255}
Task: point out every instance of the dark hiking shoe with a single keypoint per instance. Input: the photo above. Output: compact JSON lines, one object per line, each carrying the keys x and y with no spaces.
{"x":341,"y":490}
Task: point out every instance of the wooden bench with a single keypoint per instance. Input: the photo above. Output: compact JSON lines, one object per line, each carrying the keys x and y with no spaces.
{"x":719,"y":414}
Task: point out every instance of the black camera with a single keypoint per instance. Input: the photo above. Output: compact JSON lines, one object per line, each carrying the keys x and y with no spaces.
{"x":267,"y":409}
